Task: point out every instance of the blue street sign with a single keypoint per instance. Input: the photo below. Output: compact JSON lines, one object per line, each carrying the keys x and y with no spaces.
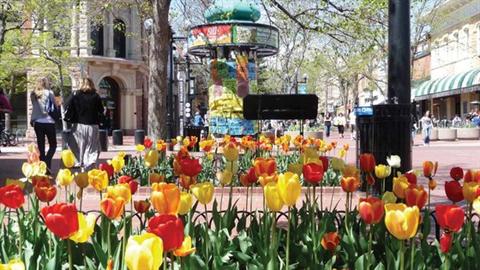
{"x":302,"y":88}
{"x":364,"y":111}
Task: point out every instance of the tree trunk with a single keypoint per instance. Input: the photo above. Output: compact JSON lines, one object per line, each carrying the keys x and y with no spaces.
{"x":158,"y":62}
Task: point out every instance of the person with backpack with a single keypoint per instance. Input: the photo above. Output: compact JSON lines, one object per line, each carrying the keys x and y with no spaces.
{"x":43,"y":120}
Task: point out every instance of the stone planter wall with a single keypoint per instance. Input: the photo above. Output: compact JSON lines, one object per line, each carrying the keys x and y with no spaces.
{"x":314,"y":134}
{"x":468,"y":133}
{"x":434,"y":135}
{"x":447,"y":134}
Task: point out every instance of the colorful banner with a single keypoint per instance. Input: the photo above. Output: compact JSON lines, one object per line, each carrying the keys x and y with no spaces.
{"x":255,"y":35}
{"x":210,"y":35}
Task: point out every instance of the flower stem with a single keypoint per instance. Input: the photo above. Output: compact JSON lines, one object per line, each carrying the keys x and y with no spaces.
{"x":81,"y":199}
{"x":370,"y":233}
{"x":172,"y":259}
{"x":165,"y":256}
{"x":402,"y":255}
{"x":70,"y":261}
{"x":20,"y":232}
{"x":287,"y":265}
{"x":221,"y":200}
{"x":412,"y":253}
{"x":66,"y":195}
{"x":108,"y":241}
{"x":124,"y":240}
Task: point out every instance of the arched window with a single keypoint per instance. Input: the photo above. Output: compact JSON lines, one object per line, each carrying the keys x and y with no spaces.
{"x":119,"y":40}
{"x":96,"y":37}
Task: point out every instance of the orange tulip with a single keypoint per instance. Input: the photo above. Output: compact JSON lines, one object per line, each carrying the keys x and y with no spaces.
{"x":112,"y":207}
{"x":415,"y":196}
{"x":429,"y":168}
{"x":264,"y":166}
{"x":472,"y":176}
{"x":350,"y":184}
{"x":470,"y":191}
{"x":141,"y":206}
{"x":371,"y":210}
{"x":155,"y":178}
{"x":400,"y":184}
{"x":330,"y":241}
{"x":349,"y":171}
{"x":187,"y":181}
{"x":367,"y":162}
{"x":165,"y":198}
{"x":186,"y":248}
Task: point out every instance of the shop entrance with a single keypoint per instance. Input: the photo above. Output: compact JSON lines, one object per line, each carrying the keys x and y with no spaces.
{"x":109,"y":91}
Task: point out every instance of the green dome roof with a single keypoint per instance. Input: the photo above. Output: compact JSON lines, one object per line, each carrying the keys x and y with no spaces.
{"x":233,"y":10}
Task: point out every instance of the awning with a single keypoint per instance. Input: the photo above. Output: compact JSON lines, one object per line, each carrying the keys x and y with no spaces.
{"x":467,"y":81}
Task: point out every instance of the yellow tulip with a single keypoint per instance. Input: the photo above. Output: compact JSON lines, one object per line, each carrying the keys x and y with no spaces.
{"x":476,"y":205}
{"x":165,"y":198}
{"x":81,"y":179}
{"x":13,"y":265}
{"x":68,"y":158}
{"x":139,"y":147}
{"x":401,"y":221}
{"x":85,"y":228}
{"x":144,"y":252}
{"x":117,"y":163}
{"x":98,"y":179}
{"x":230,"y":151}
{"x":186,"y":248}
{"x":296,"y":168}
{"x":121,"y":154}
{"x":120,"y":190}
{"x":310,"y":155}
{"x":225,"y":177}
{"x":151,"y":158}
{"x":470,"y":191}
{"x":400,"y":184}
{"x":203,"y":192}
{"x":289,"y":187}
{"x":337,"y":164}
{"x":64,"y":177}
{"x":389,"y":197}
{"x":271,"y":193}
{"x":382,"y":171}
{"x":264,"y":179}
{"x":342,"y":153}
{"x":186,"y":202}
{"x":32,"y":169}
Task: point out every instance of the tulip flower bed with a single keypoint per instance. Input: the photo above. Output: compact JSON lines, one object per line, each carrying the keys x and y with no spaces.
{"x":182,"y":226}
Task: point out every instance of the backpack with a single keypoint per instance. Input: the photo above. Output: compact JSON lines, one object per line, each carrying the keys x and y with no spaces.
{"x":52,"y":109}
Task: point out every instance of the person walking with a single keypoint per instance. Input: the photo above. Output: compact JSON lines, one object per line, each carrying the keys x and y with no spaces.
{"x":340,"y":121}
{"x":328,"y":124}
{"x":352,"y":118}
{"x":43,"y":103}
{"x":427,"y":125}
{"x":87,"y":108}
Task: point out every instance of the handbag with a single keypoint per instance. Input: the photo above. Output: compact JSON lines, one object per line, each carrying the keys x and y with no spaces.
{"x":70,"y":112}
{"x":52,"y":109}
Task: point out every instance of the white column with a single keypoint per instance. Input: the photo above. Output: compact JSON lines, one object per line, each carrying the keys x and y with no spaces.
{"x":108,"y":36}
{"x":84,"y":30}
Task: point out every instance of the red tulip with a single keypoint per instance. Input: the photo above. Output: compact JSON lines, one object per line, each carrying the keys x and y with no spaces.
{"x":264,"y":166}
{"x":190,"y":167}
{"x":445,"y":242}
{"x":472,"y":176}
{"x":370,"y":179}
{"x":141,"y":206}
{"x":350,"y":184}
{"x":415,"y":196}
{"x":371,"y":210}
{"x":449,"y":217}
{"x":313,"y":173}
{"x":107,"y":168}
{"x":45,"y":192}
{"x":249,"y":178}
{"x":61,"y":219}
{"x":411,"y":178}
{"x":330,"y":241}
{"x":454,"y":191}
{"x":125,"y":179}
{"x":12,"y":196}
{"x":367,"y":162}
{"x":147,"y":142}
{"x":325,"y":162}
{"x":169,"y":228}
{"x":40,"y":179}
{"x":456,"y":173}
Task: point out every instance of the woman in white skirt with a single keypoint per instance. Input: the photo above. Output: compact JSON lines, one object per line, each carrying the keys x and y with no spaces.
{"x":87,"y":110}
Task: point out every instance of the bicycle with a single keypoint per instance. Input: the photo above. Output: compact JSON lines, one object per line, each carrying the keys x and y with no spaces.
{"x":7,"y":138}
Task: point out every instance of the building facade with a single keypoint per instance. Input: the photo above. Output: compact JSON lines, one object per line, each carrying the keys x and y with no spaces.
{"x":447,"y":72}
{"x":110,"y":51}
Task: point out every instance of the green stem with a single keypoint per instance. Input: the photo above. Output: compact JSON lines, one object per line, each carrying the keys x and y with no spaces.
{"x":165,"y":256}
{"x":172,"y":267}
{"x":108,"y":242}
{"x":20,"y":232}
{"x":370,"y":233}
{"x":321,"y":199}
{"x":346,"y":211}
{"x":66,"y":195}
{"x":288,"y":242}
{"x":70,"y":261}
{"x":221,"y":200}
{"x":402,"y":255}
{"x":124,"y":240}
{"x":383,"y":185}
{"x":273,"y":244}
{"x":412,"y":253}
{"x":206,"y":237}
{"x":81,"y":199}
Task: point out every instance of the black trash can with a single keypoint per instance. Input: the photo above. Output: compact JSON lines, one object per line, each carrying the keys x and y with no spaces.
{"x":65,"y":135}
{"x":103,"y":134}
{"x":117,"y":137}
{"x":139,"y":136}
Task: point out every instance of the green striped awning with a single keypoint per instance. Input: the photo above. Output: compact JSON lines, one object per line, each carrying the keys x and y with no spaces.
{"x":449,"y":85}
